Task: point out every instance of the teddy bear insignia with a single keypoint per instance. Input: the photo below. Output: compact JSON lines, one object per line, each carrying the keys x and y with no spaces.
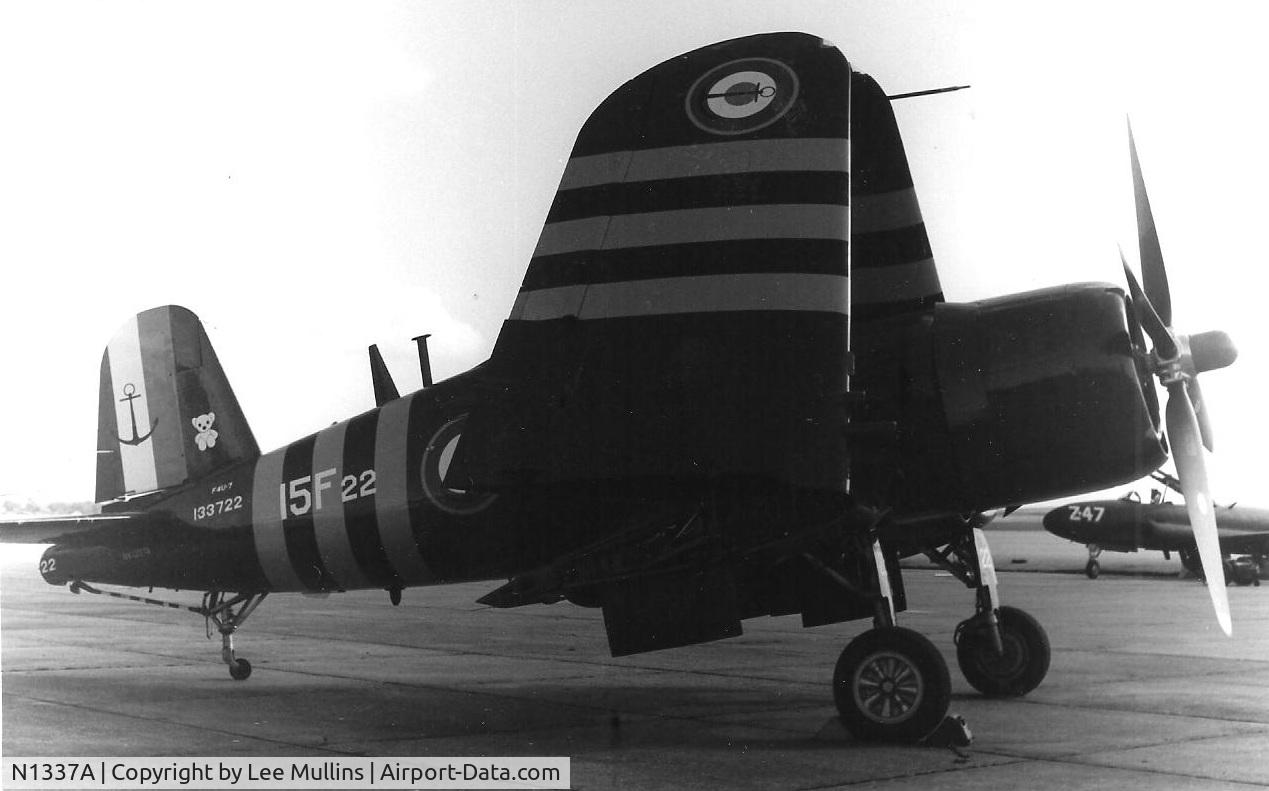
{"x":206,"y":436}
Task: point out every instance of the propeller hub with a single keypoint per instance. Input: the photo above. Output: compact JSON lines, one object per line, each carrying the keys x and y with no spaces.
{"x":1204,"y":351}
{"x":1211,"y":350}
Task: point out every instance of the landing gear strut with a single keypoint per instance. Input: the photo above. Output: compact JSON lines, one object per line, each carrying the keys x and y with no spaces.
{"x":228,"y":614}
{"x":1002,"y":651}
{"x":1093,"y":569}
{"x":225,"y":611}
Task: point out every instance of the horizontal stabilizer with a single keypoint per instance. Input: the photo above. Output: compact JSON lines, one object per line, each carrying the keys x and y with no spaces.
{"x":52,"y":529}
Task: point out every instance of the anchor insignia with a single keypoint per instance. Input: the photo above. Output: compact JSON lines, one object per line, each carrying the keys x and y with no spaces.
{"x":129,"y":395}
{"x":750,"y":93}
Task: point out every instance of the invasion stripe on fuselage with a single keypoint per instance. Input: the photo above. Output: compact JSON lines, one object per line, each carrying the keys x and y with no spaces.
{"x":328,"y":517}
{"x":704,"y":294}
{"x":392,"y":497}
{"x":359,"y":514}
{"x":267,"y":504}
{"x":708,"y":159}
{"x":297,"y":528}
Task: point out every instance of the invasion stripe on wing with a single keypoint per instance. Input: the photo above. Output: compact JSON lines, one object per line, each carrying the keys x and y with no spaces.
{"x":729,"y":257}
{"x":881,"y":249}
{"x":886,"y":211}
{"x":708,"y":159}
{"x":703,"y":294}
{"x":746,"y":189}
{"x":898,"y":283}
{"x":793,"y":221}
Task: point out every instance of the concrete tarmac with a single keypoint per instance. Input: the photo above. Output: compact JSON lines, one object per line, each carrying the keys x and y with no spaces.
{"x":1144,"y":691}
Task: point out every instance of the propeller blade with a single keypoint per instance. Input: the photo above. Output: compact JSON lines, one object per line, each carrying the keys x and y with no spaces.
{"x":1187,"y":454}
{"x":1201,"y":414}
{"x":1153,"y":271}
{"x":1165,"y":344}
{"x":1138,"y":340}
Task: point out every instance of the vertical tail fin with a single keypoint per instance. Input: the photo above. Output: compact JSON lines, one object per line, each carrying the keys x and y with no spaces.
{"x":167,"y":413}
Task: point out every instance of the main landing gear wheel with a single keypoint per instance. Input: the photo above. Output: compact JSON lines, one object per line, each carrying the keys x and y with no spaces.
{"x":1191,"y":562}
{"x":1017,"y":671}
{"x":1093,"y":568}
{"x":240,"y":670}
{"x":891,"y":684}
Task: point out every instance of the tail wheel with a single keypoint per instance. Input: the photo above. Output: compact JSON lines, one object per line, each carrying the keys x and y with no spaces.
{"x":240,"y":670}
{"x":891,"y":684}
{"x":1093,"y":569}
{"x":1017,"y":671}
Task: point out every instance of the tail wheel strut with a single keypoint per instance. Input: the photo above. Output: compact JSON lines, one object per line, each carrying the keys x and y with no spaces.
{"x":228,"y":614}
{"x":224,"y":610}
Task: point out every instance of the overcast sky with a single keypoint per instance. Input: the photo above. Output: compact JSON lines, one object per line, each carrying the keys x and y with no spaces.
{"x":310,"y":178}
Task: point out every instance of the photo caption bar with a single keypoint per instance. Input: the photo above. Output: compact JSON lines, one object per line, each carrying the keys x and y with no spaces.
{"x":163,"y":773}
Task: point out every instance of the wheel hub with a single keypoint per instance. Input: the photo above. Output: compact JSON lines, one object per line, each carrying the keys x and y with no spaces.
{"x":1008,"y":664}
{"x":888,"y":687}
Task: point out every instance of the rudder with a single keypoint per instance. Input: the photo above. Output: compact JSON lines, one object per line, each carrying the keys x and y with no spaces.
{"x":166,"y":411}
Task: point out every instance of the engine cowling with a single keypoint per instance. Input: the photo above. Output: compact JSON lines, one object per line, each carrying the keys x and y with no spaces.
{"x":1010,"y":400}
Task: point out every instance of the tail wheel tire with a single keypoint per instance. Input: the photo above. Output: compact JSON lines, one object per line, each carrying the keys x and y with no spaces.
{"x":1022,"y":666}
{"x":891,"y":684}
{"x":240,"y":670}
{"x":1093,"y":569}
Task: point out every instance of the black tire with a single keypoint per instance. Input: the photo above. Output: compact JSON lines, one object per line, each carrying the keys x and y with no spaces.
{"x":1192,"y":563}
{"x":240,"y":670}
{"x":891,"y":684}
{"x":1093,"y":569}
{"x":1019,"y":670}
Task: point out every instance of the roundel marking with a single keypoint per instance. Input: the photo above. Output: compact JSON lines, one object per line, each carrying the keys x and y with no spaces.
{"x":742,"y":96}
{"x":437,"y":457}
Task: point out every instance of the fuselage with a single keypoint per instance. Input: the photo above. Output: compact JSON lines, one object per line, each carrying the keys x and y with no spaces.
{"x":1124,"y":525}
{"x":368,"y":502}
{"x":360,"y":504}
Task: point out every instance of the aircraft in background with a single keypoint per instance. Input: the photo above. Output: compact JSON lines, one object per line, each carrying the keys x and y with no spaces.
{"x":1127,"y":525}
{"x":729,"y":387}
